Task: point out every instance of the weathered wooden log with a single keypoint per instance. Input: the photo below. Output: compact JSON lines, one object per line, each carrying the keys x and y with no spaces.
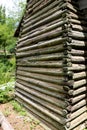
{"x":42,"y":37}
{"x":80,"y":75}
{"x":48,"y":57}
{"x":78,"y":120}
{"x":78,"y":105}
{"x":40,"y":9}
{"x":76,"y":113}
{"x":79,"y":28}
{"x":76,"y":16}
{"x":82,"y":89}
{"x":80,"y":126}
{"x":5,"y":125}
{"x":42,"y":117}
{"x":43,"y":102}
{"x":79,"y":45}
{"x":42,"y":109}
{"x":48,"y":50}
{"x":41,"y":64}
{"x":57,"y":42}
{"x":57,"y":95}
{"x":47,"y":11}
{"x":77,"y":68}
{"x":79,"y":83}
{"x":44,"y":11}
{"x":32,"y":97}
{"x":46,"y":71}
{"x":79,"y":35}
{"x":42,"y":84}
{"x":44,"y":78}
{"x":72,"y":8}
{"x":29,"y":74}
{"x":79,"y":22}
{"x":54,"y":16}
{"x":77,"y":53}
{"x":45,"y":29}
{"x":78,"y":59}
{"x":37,"y":95}
{"x":76,"y":99}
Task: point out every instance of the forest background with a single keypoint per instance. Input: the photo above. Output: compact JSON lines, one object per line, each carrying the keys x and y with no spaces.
{"x":9,"y":20}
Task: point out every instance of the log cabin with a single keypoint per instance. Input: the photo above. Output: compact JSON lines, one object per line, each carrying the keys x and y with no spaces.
{"x":51,"y":56}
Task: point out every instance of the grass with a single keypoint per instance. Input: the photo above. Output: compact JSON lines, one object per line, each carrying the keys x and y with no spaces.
{"x":18,"y":108}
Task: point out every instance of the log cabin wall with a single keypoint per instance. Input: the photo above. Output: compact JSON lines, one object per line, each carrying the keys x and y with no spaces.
{"x":51,"y":79}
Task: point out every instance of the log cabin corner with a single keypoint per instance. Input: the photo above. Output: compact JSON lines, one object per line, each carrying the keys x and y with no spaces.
{"x":51,"y":55}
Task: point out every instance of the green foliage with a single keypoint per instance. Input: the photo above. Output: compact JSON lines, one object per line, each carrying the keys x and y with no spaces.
{"x":18,"y":108}
{"x":8,"y":26}
{"x":6,"y":94}
{"x":7,"y":69}
{"x":2,"y":15}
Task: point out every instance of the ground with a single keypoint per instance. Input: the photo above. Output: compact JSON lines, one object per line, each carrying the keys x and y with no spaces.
{"x":17,"y":121}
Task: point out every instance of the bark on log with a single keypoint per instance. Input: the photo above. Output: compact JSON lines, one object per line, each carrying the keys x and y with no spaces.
{"x":60,"y":96}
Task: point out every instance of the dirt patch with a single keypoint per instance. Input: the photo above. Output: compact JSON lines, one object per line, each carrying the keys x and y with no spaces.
{"x":19,"y":122}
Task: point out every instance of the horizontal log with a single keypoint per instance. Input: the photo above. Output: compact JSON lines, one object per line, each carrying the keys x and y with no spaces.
{"x":44,"y":7}
{"x":49,"y":8}
{"x":39,"y":97}
{"x":78,"y":59}
{"x":79,"y":28}
{"x":51,"y":57}
{"x":79,"y":45}
{"x":39,"y":76}
{"x":40,"y":19}
{"x":49,"y":122}
{"x":79,"y":22}
{"x":77,"y":16}
{"x":41,"y":51}
{"x":78,"y":105}
{"x":79,"y":35}
{"x":80,"y":75}
{"x":77,"y":68}
{"x":42,"y":84}
{"x":75,"y":52}
{"x":82,"y":118}
{"x":76,"y":114}
{"x":48,"y":79}
{"x":43,"y":30}
{"x":79,"y":91}
{"x":76,"y":99}
{"x":33,"y":95}
{"x":39,"y":28}
{"x":80,"y":126}
{"x":46,"y":71}
{"x":58,"y":42}
{"x":80,"y":83}
{"x":48,"y":105}
{"x":46,"y":91}
{"x":40,"y":64}
{"x":42,"y":109}
{"x":72,"y":7}
{"x":47,"y":36}
{"x":44,"y":21}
